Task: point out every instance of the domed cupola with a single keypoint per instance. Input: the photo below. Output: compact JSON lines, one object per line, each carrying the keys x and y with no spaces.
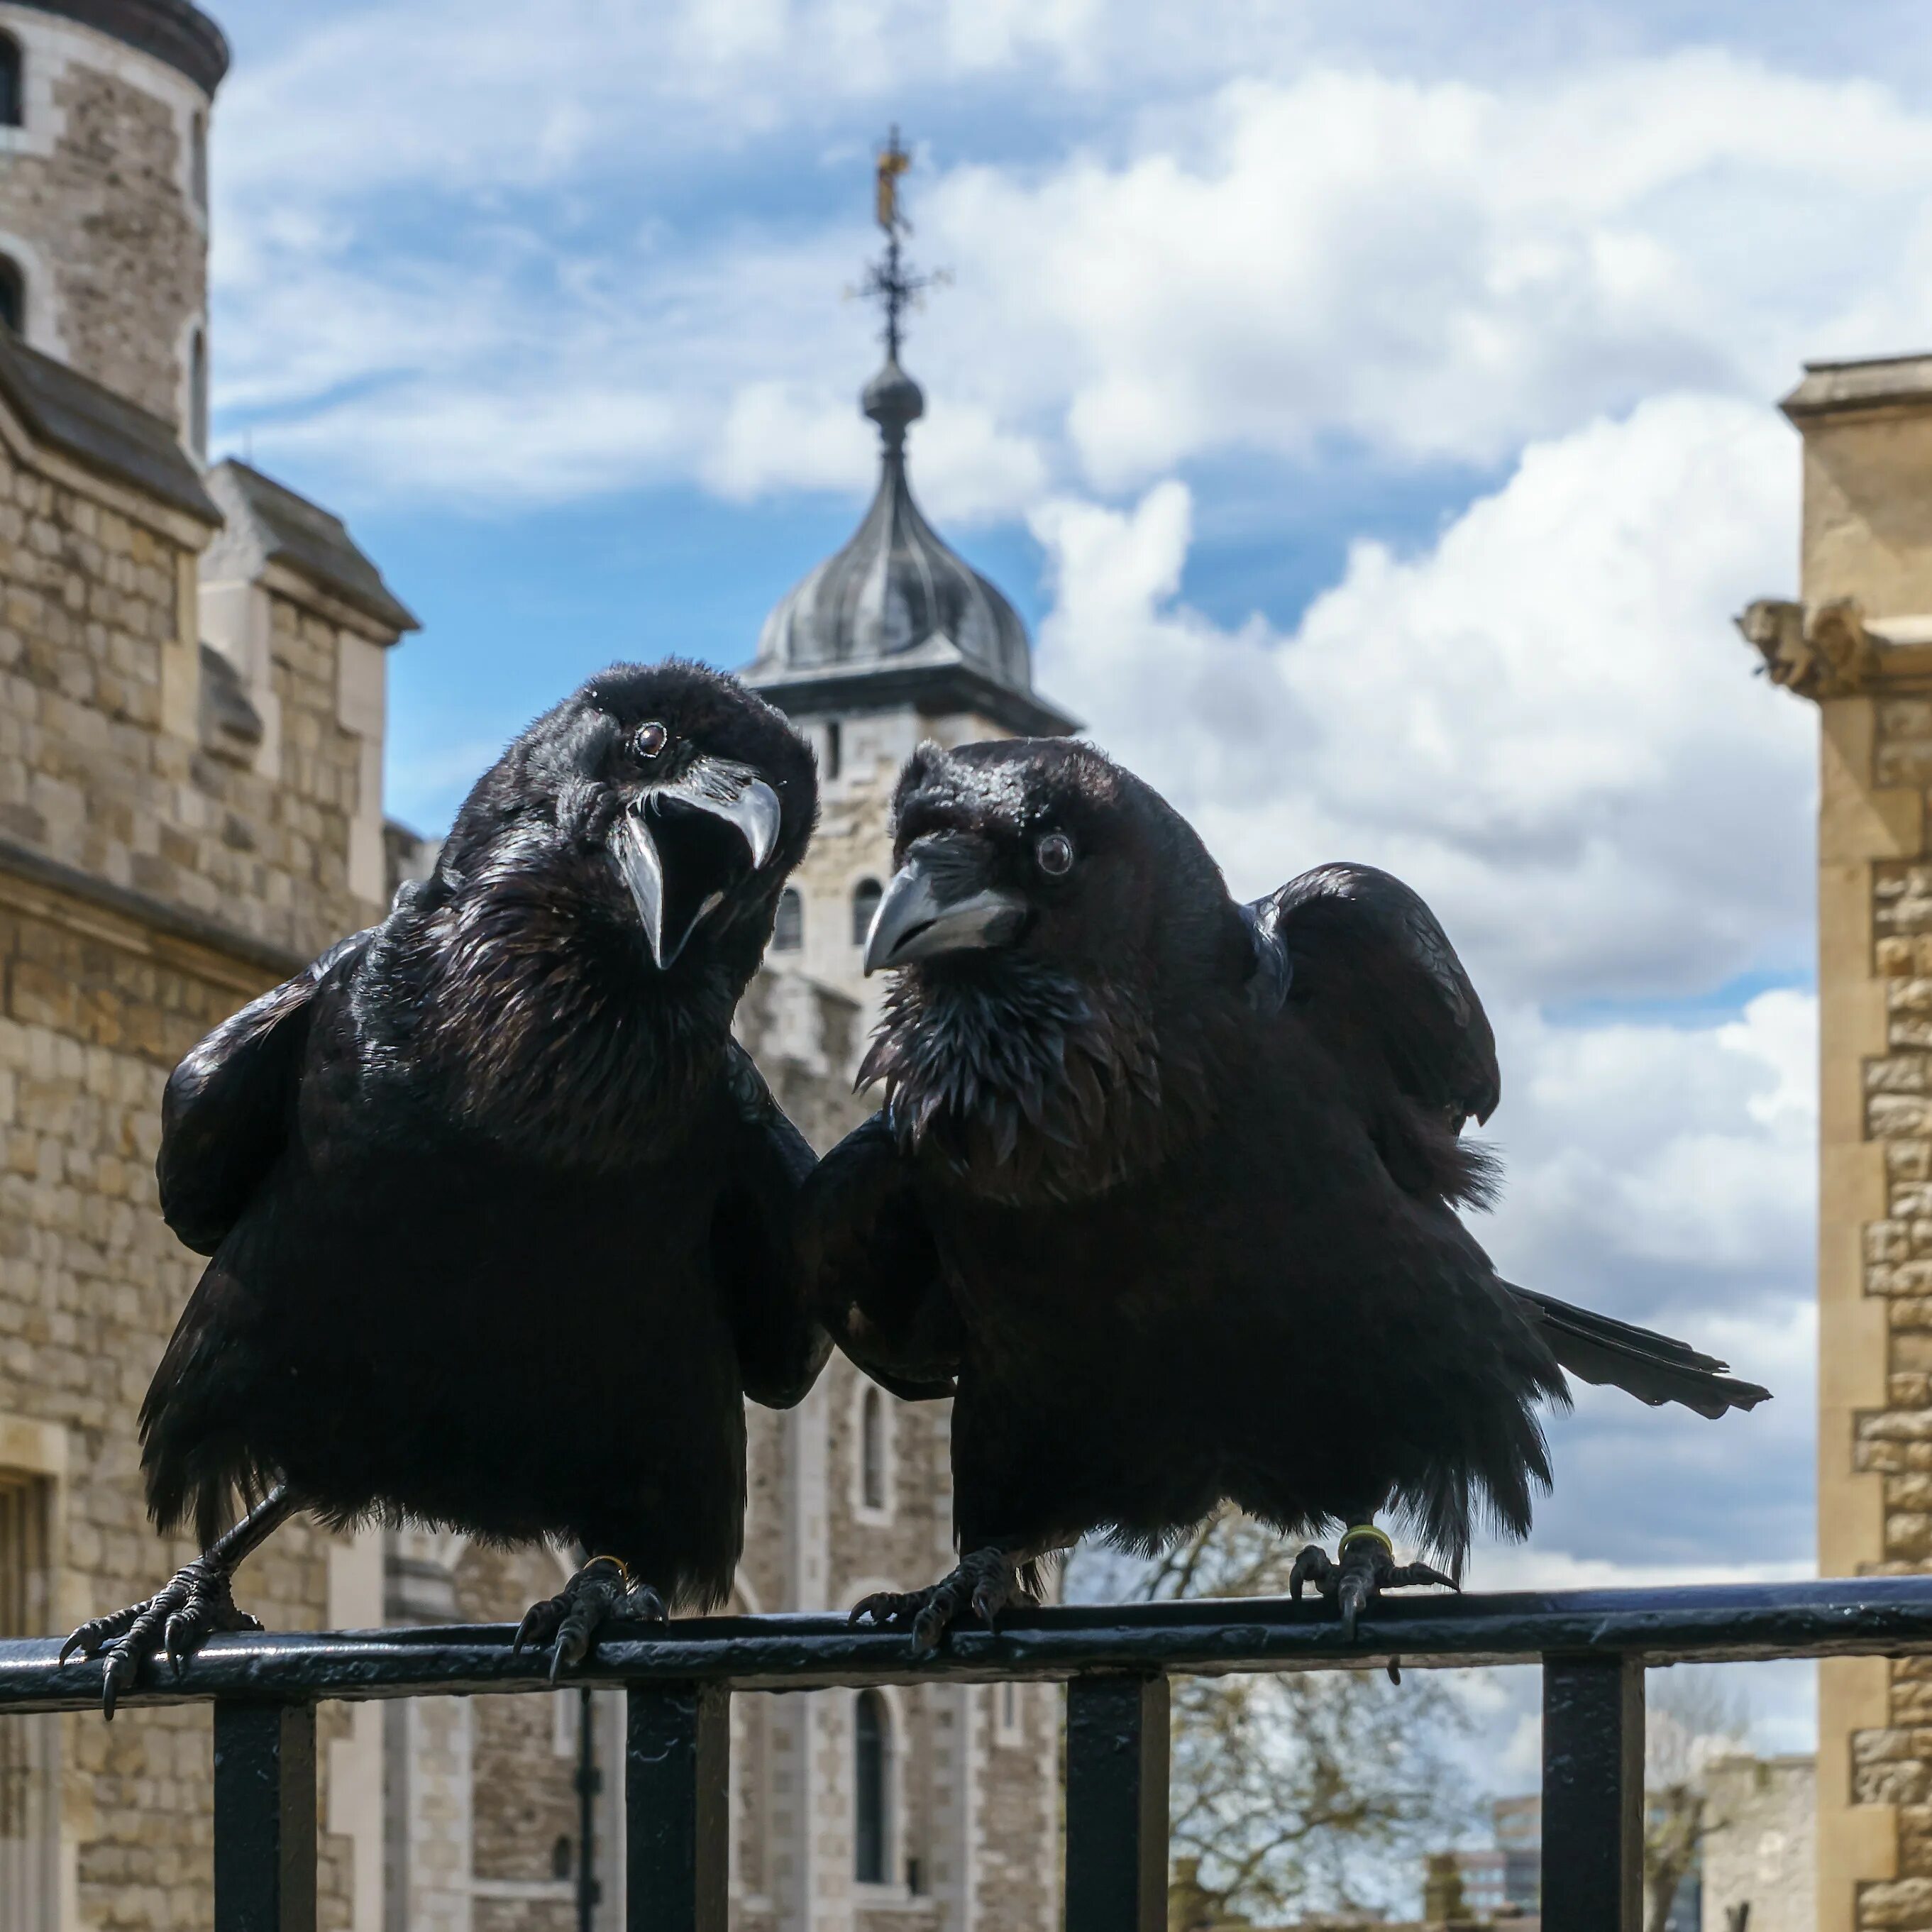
{"x":898,"y":616}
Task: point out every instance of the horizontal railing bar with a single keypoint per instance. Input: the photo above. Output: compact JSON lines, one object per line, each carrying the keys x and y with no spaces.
{"x":1706,"y":1623}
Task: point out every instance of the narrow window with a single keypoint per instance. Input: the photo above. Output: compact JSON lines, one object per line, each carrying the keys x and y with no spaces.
{"x":197,"y":394}
{"x":865,"y":897}
{"x":872,"y":1449}
{"x":11,"y":101}
{"x":13,"y":295}
{"x":788,"y":934}
{"x":872,"y":1764}
{"x":834,"y":750}
{"x":198,"y":158}
{"x":29,"y":1807}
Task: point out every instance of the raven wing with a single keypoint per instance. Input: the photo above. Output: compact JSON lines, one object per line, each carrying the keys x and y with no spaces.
{"x":874,"y":1267}
{"x":1373,"y":972}
{"x":1377,"y":974}
{"x":226,"y":1108}
{"x":780,"y":1346}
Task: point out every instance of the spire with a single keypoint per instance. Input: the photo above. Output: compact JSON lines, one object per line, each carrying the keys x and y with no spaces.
{"x":892,"y":398}
{"x":898,"y":616}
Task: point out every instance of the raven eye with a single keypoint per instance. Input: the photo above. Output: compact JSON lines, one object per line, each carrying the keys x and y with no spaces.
{"x":1054,"y":853}
{"x":649,"y":740}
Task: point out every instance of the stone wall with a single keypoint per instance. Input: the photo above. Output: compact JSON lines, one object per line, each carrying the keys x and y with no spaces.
{"x":1856,"y":644}
{"x":102,"y":766}
{"x":149,"y":886}
{"x":97,"y":205}
{"x":94,"y":1013}
{"x":1759,"y":1850}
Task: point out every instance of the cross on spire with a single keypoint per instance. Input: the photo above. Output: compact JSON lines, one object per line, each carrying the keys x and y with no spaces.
{"x":892,"y":278}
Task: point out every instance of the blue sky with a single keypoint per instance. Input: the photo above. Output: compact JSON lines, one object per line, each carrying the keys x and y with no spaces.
{"x":1370,"y":407}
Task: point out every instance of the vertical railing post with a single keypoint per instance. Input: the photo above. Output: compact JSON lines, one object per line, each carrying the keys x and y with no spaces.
{"x":264,"y":1817}
{"x":1593,"y":1793}
{"x":676,"y":1785}
{"x":1117,"y":1805}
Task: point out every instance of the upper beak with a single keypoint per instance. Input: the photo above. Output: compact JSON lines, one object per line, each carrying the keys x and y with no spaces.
{"x":939,"y":901}
{"x":734,"y":792}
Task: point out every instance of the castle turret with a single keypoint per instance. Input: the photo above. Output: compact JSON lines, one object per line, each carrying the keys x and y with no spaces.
{"x":894,"y":639}
{"x":104,"y":108}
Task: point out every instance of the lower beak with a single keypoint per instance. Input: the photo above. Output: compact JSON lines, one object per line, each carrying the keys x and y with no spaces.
{"x":929,"y":909}
{"x":725,"y":790}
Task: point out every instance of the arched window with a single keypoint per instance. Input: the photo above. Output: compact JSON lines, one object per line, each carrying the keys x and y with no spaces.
{"x":12,"y":94}
{"x":872,"y":1449}
{"x":13,"y":295}
{"x":871,"y":1781}
{"x":788,"y":933}
{"x":865,"y":897}
{"x":197,"y":395}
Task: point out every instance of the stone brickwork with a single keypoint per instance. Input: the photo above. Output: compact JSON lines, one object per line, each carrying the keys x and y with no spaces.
{"x":1859,"y":644}
{"x":1758,"y":1849}
{"x":98,"y":208}
{"x":98,"y":657}
{"x":150,"y":884}
{"x":93,"y":1015}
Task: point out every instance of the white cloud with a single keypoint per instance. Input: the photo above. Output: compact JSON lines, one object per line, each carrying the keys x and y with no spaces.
{"x":426,"y":211}
{"x":1443,"y":269}
{"x":1545,"y":721}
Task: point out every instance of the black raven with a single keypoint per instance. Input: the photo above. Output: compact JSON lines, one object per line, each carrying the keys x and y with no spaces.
{"x":1163,"y":1193}
{"x":501,"y":1218}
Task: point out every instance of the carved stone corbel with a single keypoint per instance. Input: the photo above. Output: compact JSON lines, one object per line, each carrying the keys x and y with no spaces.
{"x":1823,"y":651}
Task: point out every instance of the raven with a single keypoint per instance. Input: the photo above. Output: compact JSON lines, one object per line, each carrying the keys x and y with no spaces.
{"x":500,"y":1218}
{"x":1163,"y":1193}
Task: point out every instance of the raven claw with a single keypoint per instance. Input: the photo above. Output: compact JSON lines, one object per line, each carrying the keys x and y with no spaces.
{"x":190,"y":1607}
{"x":1365,"y":1569}
{"x":600,"y":1593}
{"x":985,"y":1583}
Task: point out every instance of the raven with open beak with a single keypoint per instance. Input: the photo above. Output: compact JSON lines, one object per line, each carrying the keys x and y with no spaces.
{"x":499,"y":1218}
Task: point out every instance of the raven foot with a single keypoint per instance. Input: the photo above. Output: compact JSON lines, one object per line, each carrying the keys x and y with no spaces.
{"x":985,"y":1583}
{"x":600,"y":1593}
{"x":194,"y":1604}
{"x":1365,"y":1567}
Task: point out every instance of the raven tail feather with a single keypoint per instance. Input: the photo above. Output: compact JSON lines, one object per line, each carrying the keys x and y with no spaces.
{"x":1652,"y":1367}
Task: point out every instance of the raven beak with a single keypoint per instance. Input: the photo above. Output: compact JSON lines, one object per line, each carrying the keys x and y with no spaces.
{"x":936,"y":903}
{"x":734,"y":793}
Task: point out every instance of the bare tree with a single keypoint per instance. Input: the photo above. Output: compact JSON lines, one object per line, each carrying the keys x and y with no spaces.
{"x":1692,"y":1717}
{"x":1287,"y":1791}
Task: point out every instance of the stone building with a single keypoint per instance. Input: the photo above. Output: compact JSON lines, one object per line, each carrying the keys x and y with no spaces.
{"x":192,"y":715}
{"x":894,"y":639}
{"x":1758,"y":1853}
{"x":1857,"y":642}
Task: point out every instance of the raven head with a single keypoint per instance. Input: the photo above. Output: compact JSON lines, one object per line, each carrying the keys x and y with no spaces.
{"x":1048,"y":921}
{"x":1046,"y":850}
{"x":695,"y":797}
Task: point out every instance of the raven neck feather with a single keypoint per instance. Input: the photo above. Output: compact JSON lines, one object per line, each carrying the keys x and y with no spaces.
{"x":1026,"y":1084}
{"x":556,"y":1036}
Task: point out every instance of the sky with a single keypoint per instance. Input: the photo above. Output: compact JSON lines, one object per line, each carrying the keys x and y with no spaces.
{"x":1371,"y":408}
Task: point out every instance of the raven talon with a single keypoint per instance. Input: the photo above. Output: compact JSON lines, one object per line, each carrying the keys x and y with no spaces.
{"x":985,"y":1583}
{"x":1366,"y":1567}
{"x":600,"y":1593}
{"x":194,"y":1604}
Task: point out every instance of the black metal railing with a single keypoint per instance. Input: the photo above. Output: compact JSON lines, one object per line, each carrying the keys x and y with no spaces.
{"x":1594,"y":1645}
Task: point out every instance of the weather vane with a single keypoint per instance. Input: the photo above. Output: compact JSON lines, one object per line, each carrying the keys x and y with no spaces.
{"x":892,"y":279}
